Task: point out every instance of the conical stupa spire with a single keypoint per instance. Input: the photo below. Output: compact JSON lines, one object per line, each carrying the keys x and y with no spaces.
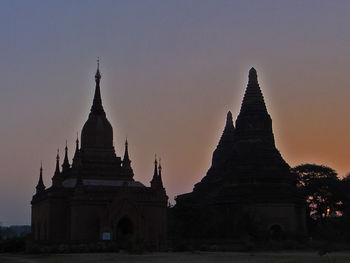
{"x":97,"y":107}
{"x":253,"y":101}
{"x":228,"y":133}
{"x":253,"y":121}
{"x":65,"y":165}
{"x":40,"y":186}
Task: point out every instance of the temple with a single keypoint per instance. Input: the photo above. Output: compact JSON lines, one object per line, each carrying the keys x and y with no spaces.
{"x":248,"y":190}
{"x":95,"y":197}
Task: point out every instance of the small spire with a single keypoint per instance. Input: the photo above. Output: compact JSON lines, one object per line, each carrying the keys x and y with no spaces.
{"x":155,"y":166}
{"x":229,"y":121}
{"x":57,"y":171}
{"x":97,"y":107}
{"x":160,"y":168}
{"x":65,"y":165}
{"x":228,"y":133}
{"x":156,"y":181}
{"x":40,"y":186}
{"x":76,"y":154}
{"x":126,"y":152}
{"x":98,"y":75}
{"x":127,"y":170}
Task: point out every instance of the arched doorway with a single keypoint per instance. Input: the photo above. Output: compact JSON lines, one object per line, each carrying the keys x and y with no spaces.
{"x":125,"y":227}
{"x":124,"y":232}
{"x":276,"y":232}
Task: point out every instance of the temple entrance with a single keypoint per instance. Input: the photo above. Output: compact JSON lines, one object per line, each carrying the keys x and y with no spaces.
{"x":276,"y":232}
{"x":125,"y":227}
{"x":124,"y":232}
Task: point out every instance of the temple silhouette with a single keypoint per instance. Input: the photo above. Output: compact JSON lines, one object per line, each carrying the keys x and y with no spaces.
{"x":95,"y":198}
{"x":248,"y":190}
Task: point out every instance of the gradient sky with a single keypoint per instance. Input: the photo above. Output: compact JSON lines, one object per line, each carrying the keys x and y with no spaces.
{"x":170,"y":72}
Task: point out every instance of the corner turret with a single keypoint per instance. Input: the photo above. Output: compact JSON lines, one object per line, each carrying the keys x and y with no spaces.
{"x":156,"y":181}
{"x":65,"y":165}
{"x":40,"y":186}
{"x":56,"y":179}
{"x":77,"y":153}
{"x":126,"y":164}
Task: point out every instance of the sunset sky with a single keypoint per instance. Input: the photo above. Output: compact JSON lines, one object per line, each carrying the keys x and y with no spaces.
{"x":170,"y":72}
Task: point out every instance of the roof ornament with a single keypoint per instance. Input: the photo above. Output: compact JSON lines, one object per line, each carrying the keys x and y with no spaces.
{"x":98,"y":75}
{"x":155,"y":166}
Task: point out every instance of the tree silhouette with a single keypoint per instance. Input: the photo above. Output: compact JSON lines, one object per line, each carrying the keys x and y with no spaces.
{"x":321,"y":188}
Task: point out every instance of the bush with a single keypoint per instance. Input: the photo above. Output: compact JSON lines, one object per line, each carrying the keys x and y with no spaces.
{"x":16,"y":244}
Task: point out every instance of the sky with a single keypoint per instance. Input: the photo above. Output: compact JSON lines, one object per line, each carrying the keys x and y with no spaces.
{"x":170,"y":72}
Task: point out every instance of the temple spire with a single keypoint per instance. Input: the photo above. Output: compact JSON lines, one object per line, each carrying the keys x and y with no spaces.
{"x":77,"y":151}
{"x":228,"y":133}
{"x":127,"y":170}
{"x":156,"y":181}
{"x":160,"y":174}
{"x":97,"y":107}
{"x":126,"y":153}
{"x":155,"y":173}
{"x":57,"y":171}
{"x":160,"y":169}
{"x":65,"y":165}
{"x":229,"y":128}
{"x":40,"y":186}
{"x":253,"y":121}
{"x":253,"y":101}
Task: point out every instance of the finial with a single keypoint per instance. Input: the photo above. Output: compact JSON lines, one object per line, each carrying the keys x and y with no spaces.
{"x":253,"y":76}
{"x":160,"y":168}
{"x":40,"y":186}
{"x":57,"y":171}
{"x":126,"y":141}
{"x":98,"y":75}
{"x":155,"y":166}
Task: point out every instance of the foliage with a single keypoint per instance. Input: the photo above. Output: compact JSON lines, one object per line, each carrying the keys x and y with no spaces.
{"x":320,"y":185}
{"x":16,"y":244}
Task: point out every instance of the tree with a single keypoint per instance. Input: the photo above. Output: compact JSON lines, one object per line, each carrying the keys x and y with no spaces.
{"x":320,"y":186}
{"x":345,"y":191}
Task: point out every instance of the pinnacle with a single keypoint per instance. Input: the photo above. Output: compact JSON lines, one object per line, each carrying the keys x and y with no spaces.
{"x":253,"y":100}
{"x":229,"y":122}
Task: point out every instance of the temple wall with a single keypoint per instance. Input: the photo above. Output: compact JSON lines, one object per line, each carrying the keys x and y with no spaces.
{"x":284,"y":215}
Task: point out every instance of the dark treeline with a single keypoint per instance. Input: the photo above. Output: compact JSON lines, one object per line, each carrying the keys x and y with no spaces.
{"x":327,"y":198}
{"x":13,"y":238}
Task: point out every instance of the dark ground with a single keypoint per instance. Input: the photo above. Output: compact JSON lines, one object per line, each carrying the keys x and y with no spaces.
{"x":185,"y":257}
